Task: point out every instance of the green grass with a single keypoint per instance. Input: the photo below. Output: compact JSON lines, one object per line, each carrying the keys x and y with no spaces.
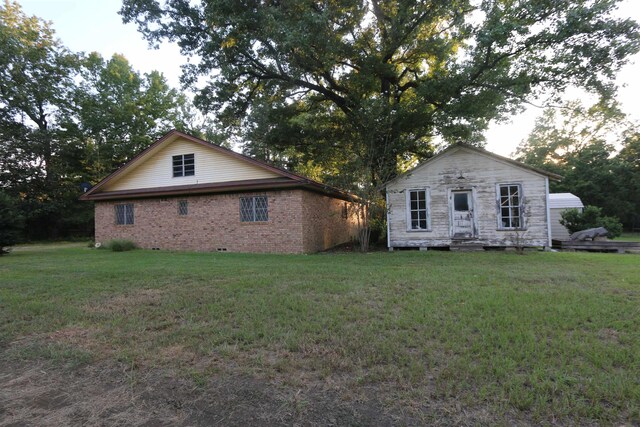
{"x":546,"y":336}
{"x":628,"y":237}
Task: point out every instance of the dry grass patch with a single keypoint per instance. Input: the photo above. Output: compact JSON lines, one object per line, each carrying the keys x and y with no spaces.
{"x":133,"y":300}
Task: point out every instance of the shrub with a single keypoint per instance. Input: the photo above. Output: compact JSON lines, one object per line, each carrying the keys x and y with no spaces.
{"x":119,"y":245}
{"x":590,"y":217}
{"x":10,"y":223}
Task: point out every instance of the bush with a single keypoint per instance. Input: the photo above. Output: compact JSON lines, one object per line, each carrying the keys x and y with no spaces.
{"x":119,"y":245}
{"x":590,"y":217}
{"x":10,"y":223}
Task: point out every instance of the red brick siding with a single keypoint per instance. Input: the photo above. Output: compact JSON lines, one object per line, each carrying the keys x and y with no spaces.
{"x":213,"y":222}
{"x":299,"y":221}
{"x":323,"y":222}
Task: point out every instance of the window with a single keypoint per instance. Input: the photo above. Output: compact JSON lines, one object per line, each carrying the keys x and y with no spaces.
{"x":124,"y":214}
{"x":510,"y":209}
{"x":417,"y":209}
{"x":184,"y":165}
{"x":461,"y":202}
{"x":254,"y":209}
{"x":183,"y":207}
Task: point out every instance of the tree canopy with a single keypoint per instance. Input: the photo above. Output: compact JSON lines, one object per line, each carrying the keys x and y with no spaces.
{"x":595,"y":150}
{"x":68,"y":118}
{"x":376,"y":81}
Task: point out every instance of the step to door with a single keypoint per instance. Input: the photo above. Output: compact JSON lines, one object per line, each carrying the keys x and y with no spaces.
{"x":466,"y":248}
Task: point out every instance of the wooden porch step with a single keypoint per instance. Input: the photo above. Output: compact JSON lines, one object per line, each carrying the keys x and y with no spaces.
{"x":466,"y":248}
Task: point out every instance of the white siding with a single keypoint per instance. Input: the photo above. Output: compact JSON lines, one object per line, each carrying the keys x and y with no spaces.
{"x":564,"y":200}
{"x":559,"y":202}
{"x":558,"y":231}
{"x":481,"y":174}
{"x":210,"y":167}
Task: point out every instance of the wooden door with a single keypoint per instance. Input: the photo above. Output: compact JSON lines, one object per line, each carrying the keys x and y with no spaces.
{"x":461,"y":205}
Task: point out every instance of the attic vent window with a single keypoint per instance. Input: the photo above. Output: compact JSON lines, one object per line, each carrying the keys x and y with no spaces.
{"x":184,"y":165}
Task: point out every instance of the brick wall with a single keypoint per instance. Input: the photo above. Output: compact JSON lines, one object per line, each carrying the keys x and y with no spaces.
{"x":324,"y":224}
{"x":299,"y":221}
{"x":213,"y":222}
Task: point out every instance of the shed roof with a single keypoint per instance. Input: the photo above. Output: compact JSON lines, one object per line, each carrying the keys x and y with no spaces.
{"x":564,"y":200}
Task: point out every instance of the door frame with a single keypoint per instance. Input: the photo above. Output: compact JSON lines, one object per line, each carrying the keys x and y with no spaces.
{"x":474,"y":210}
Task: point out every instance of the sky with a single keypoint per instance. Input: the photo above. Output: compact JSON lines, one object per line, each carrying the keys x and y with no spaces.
{"x":94,"y":25}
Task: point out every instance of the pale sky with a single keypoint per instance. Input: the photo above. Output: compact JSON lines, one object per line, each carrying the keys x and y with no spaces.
{"x":94,"y":25}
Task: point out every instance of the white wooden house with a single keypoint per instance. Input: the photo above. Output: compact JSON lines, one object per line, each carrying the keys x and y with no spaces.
{"x":558,"y":203}
{"x":466,"y":196}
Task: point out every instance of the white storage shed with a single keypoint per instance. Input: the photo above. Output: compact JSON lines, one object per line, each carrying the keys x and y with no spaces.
{"x":558,"y":203}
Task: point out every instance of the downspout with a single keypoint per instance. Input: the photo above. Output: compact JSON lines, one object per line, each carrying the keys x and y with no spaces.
{"x":546,"y":184}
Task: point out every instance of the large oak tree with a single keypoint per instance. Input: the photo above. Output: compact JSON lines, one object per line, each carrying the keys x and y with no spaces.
{"x":383,"y":77}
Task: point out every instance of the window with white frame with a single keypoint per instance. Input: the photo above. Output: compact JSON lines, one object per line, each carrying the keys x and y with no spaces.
{"x":418,"y":209}
{"x":183,"y":207}
{"x":184,"y":165}
{"x":510,"y":206}
{"x":254,"y":209}
{"x":124,"y":214}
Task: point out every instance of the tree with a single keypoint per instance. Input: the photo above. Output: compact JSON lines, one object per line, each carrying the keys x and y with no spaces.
{"x":590,"y":217}
{"x":10,"y":223}
{"x":580,"y":144}
{"x":66,"y":119}
{"x":38,"y":158}
{"x":570,"y":129}
{"x":629,"y":174}
{"x":121,"y":112}
{"x":36,"y":80}
{"x":385,"y":76}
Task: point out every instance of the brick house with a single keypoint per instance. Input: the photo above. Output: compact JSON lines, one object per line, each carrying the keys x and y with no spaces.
{"x":184,"y":193}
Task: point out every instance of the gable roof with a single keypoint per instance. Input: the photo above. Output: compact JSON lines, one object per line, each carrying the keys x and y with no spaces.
{"x":462,"y":146}
{"x":284,"y":178}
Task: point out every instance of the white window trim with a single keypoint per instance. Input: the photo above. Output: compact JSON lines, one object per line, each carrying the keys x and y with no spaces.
{"x":523,"y":225}
{"x":427,"y":191}
{"x":183,"y":175}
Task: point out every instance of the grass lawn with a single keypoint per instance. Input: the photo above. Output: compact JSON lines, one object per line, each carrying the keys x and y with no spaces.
{"x":398,"y":338}
{"x":628,"y":237}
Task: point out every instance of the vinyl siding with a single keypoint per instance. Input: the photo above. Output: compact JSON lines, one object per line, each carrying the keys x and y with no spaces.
{"x":481,"y":174}
{"x":210,"y":167}
{"x":558,"y":231}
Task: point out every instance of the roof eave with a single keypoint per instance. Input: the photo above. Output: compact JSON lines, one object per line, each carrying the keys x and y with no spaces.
{"x":234,"y":187}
